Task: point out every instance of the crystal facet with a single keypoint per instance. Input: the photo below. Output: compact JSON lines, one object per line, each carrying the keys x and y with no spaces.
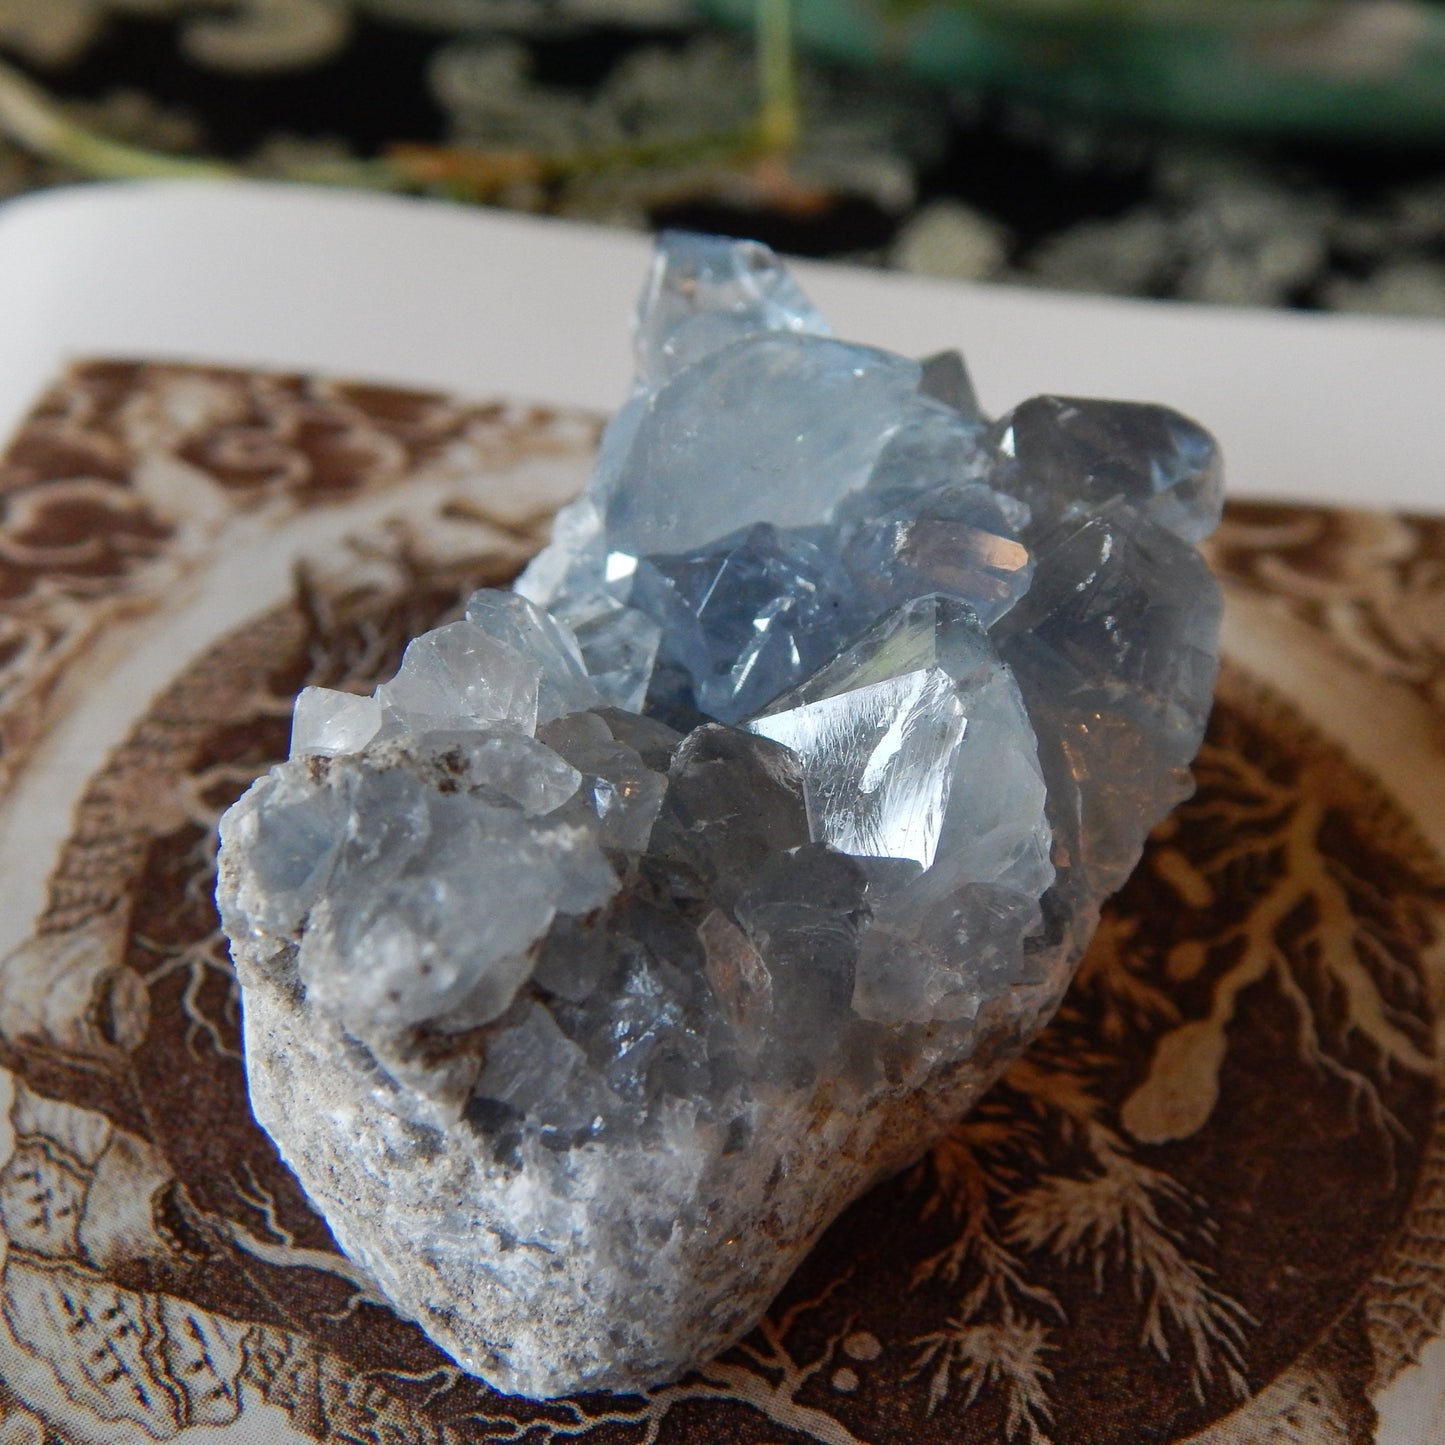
{"x":564,"y":685}
{"x":619,"y":648}
{"x":694,"y":474}
{"x":1074,"y":456}
{"x":749,"y":616}
{"x":461,"y":676}
{"x":704,"y":292}
{"x":655,"y":909}
{"x":332,"y":722}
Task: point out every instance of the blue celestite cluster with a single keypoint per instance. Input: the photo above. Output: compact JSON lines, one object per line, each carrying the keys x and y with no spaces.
{"x":658,"y":906}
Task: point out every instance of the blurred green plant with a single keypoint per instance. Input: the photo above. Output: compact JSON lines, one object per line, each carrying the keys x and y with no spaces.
{"x":759,"y":151}
{"x":1363,"y":68}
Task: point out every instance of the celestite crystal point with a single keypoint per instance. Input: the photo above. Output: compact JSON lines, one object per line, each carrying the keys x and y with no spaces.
{"x":704,"y":292}
{"x":655,"y":909}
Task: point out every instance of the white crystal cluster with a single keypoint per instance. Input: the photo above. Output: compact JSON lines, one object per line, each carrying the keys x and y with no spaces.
{"x":656,"y":908}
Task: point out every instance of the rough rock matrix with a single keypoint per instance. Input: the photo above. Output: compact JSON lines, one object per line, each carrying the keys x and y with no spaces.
{"x":656,"y":909}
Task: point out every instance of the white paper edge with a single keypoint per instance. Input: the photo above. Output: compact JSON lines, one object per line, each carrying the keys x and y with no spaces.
{"x":1342,"y":409}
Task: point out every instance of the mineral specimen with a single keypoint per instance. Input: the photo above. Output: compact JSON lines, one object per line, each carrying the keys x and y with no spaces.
{"x":655,"y":909}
